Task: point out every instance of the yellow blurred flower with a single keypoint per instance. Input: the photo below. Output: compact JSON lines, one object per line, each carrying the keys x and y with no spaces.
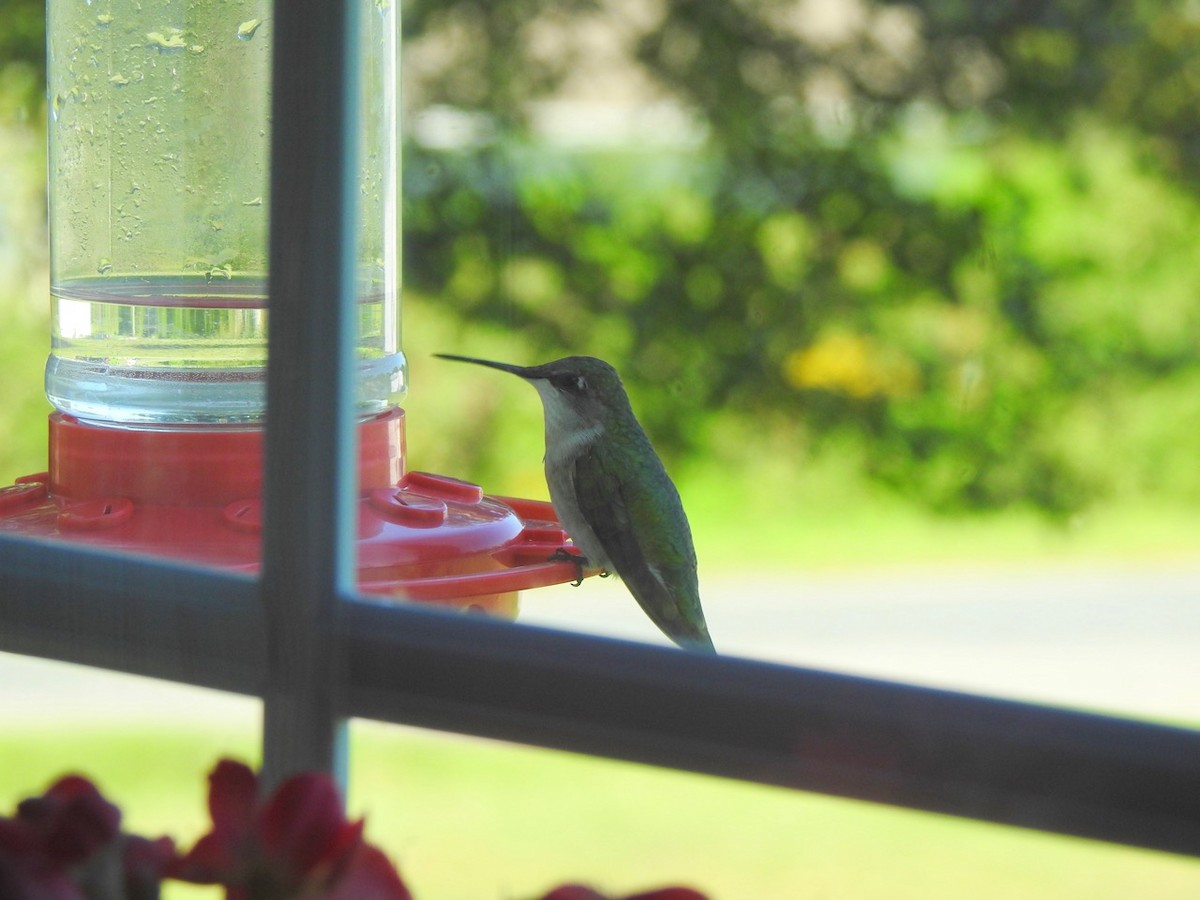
{"x":852,"y":364}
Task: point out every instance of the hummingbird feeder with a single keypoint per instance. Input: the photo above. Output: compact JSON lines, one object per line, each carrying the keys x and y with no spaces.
{"x":158,"y":180}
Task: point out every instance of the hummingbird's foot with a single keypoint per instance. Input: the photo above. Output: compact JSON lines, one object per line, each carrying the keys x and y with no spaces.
{"x":580,"y":563}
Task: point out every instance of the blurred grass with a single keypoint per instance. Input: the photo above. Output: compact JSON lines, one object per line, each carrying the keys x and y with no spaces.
{"x":472,"y":820}
{"x":558,"y":817}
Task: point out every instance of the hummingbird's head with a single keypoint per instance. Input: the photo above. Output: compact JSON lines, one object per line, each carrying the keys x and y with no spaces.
{"x":578,"y":392}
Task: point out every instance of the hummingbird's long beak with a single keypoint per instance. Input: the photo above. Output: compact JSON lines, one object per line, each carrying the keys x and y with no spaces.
{"x":522,"y":371}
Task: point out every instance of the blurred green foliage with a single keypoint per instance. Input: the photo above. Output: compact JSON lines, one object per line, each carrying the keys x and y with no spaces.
{"x":22,"y":58}
{"x":953,"y":240}
{"x":950,"y":242}
{"x":24,"y":330}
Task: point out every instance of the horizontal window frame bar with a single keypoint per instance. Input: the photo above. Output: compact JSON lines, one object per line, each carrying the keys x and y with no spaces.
{"x":135,"y":614}
{"x":1045,"y":768}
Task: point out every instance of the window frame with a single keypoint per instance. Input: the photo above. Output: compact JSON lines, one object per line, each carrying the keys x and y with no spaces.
{"x":318,"y":653}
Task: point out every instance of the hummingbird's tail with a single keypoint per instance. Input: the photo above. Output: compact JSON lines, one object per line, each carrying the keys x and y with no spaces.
{"x":700,"y":642}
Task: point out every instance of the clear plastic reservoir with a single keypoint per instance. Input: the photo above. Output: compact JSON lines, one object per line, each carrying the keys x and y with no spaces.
{"x":159,"y":154}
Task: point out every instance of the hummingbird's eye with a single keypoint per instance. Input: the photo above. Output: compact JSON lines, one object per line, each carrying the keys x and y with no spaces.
{"x":574,"y":384}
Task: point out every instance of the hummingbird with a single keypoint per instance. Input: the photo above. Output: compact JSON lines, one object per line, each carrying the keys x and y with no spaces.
{"x":611,"y":492}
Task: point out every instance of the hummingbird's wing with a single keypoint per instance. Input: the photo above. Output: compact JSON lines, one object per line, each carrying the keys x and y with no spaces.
{"x":636,"y":514}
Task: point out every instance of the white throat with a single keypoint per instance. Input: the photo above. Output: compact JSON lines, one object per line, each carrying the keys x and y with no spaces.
{"x":567,"y":432}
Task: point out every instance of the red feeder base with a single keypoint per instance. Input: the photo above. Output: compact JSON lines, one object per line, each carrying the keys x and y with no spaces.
{"x":194,"y":494}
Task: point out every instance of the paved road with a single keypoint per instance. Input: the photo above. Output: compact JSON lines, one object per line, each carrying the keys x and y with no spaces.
{"x":1123,"y":639}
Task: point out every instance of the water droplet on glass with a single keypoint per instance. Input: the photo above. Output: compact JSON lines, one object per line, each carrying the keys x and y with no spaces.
{"x":246,"y":29}
{"x":173,"y":40}
{"x":104,"y":265}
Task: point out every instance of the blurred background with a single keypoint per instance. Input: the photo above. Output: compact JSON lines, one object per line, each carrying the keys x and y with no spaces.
{"x":906,"y":294}
{"x":936,"y":260}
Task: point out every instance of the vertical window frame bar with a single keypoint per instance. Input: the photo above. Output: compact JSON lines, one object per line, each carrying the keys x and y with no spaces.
{"x":309,"y":472}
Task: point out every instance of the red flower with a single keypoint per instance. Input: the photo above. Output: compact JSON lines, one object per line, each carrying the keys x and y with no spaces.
{"x":574,"y":892}
{"x":67,"y":845}
{"x":70,"y":822}
{"x":583,"y":892}
{"x":296,"y":843}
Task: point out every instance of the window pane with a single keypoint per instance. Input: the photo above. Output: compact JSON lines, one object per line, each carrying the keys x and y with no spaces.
{"x":470,"y":818}
{"x":859,"y":274}
{"x":147,"y":745}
